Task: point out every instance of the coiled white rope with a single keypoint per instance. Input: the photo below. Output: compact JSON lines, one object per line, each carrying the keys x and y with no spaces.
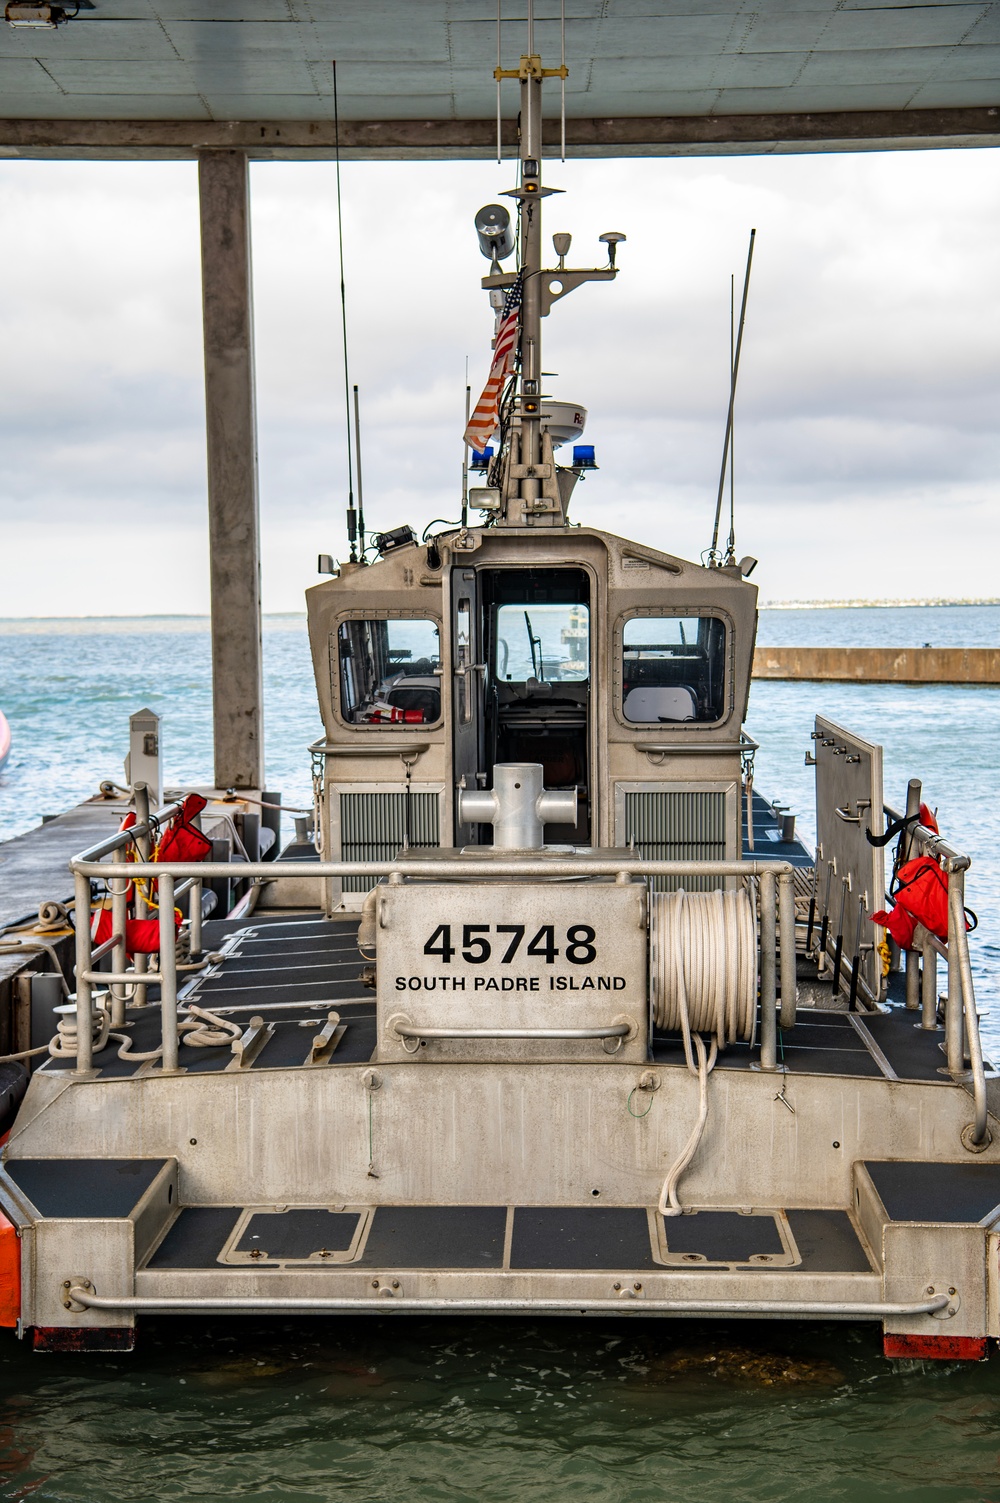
{"x":703,"y":952}
{"x":202,"y":1029}
{"x":703,"y":955}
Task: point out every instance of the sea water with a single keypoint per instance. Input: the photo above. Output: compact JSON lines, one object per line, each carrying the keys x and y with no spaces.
{"x":597,"y":1411}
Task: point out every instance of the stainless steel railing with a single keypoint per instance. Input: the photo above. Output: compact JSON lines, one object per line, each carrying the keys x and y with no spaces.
{"x":774,"y":881}
{"x":961,"y":1021}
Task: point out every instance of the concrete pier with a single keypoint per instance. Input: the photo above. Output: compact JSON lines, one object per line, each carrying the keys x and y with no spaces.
{"x":880,"y":665}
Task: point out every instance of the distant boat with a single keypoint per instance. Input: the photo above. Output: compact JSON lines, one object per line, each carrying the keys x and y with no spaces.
{"x":4,"y":738}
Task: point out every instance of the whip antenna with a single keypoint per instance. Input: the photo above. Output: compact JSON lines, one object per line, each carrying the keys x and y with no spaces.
{"x":465,"y":449}
{"x":352,"y":516}
{"x":731,"y":543}
{"x":357,"y":448}
{"x":713,"y":552}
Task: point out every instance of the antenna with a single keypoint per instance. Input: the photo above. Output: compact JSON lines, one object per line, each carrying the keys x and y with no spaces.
{"x":714,"y":550}
{"x":465,"y":449}
{"x":499,"y":64}
{"x":352,"y":516}
{"x":361,"y":502}
{"x":731,"y":544}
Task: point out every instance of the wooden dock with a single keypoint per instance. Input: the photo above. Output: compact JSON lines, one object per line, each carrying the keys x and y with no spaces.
{"x":880,"y":665}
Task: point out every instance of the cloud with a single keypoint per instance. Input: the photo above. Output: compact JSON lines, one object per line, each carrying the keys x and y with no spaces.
{"x":866,"y":447}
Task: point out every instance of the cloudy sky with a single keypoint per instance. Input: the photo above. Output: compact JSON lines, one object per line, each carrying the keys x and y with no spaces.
{"x":866,"y":447}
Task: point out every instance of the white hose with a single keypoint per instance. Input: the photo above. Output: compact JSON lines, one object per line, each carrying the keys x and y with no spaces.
{"x":703,"y":955}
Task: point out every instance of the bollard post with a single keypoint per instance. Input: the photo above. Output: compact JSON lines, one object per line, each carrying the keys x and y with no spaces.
{"x":768,"y":940}
{"x":84,"y":995}
{"x":168,"y":973}
{"x":786,"y":927}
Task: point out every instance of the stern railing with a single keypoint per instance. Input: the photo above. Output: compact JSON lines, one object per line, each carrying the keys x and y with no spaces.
{"x":104,"y":861}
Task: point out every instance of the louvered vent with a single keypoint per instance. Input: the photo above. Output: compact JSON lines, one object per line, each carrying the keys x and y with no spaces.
{"x":676,"y":825}
{"x":375,"y":826}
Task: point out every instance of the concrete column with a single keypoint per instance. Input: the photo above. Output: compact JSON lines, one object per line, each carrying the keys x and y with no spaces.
{"x":233,"y":521}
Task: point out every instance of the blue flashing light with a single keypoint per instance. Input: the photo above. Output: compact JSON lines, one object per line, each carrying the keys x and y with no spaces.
{"x":583,"y":457}
{"x":481,"y":459}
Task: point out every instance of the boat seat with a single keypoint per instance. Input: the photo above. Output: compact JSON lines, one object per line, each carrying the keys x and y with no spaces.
{"x":651,"y":702}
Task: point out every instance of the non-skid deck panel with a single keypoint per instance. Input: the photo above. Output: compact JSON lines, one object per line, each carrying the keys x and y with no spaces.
{"x":299,"y":1233}
{"x":196,"y":1237}
{"x":436,"y":1237}
{"x":611,"y":1238}
{"x":823,"y":1044}
{"x":605,"y":1237}
{"x":143,"y":1035}
{"x":230,"y":993}
{"x":913,"y":1052}
{"x":289,"y":1046}
{"x":951,"y":1193}
{"x":291,"y":1043}
{"x":310,"y":954}
{"x":765,"y":846}
{"x":215,"y":931}
{"x":92,"y":1189}
{"x":723,"y":1236}
{"x":827,"y":1242}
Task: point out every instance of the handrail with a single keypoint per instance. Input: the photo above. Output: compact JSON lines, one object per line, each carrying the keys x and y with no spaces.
{"x":939,"y":1304}
{"x":450,"y":866}
{"x":508,"y":864}
{"x":404,"y":1030}
{"x":961,"y":1003}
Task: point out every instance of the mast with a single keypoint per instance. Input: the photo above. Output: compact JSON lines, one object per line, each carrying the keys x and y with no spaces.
{"x":530,"y":216}
{"x":534,"y":491}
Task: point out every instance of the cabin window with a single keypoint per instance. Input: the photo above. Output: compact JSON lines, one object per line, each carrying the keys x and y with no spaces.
{"x":548,"y":643}
{"x":390,"y":672}
{"x":673,"y":669}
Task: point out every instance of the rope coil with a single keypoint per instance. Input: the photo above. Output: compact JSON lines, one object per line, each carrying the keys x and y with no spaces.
{"x":703,"y":962}
{"x":202,"y":1029}
{"x":703,"y":959}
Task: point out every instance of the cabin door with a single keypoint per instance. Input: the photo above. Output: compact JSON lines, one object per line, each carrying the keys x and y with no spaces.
{"x":468,"y":676}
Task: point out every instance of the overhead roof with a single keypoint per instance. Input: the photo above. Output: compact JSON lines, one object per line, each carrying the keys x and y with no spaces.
{"x":167,"y":77}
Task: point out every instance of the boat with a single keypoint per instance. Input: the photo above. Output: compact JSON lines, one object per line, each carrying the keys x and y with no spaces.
{"x":549,"y":1013}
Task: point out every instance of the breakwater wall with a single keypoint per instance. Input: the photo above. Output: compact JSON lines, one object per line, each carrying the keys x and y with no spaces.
{"x":881,"y":665}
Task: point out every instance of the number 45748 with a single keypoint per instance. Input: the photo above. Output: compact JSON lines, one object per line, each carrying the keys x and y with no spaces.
{"x":477,"y":949}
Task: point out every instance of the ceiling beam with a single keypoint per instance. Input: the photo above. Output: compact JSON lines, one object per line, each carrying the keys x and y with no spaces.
{"x":436,"y":140}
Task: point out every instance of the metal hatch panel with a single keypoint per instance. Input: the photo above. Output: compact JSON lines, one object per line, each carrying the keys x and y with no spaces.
{"x":850,"y":873}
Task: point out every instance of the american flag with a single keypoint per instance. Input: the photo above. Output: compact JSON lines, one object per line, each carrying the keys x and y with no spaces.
{"x":486,"y":413}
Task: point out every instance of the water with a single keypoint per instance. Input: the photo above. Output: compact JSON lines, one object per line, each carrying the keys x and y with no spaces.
{"x":69,"y":687}
{"x":524,"y":1412}
{"x":530,"y":1412}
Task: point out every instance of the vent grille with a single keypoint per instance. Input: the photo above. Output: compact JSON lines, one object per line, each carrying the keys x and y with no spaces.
{"x":375,"y":827}
{"x":678,"y":825}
